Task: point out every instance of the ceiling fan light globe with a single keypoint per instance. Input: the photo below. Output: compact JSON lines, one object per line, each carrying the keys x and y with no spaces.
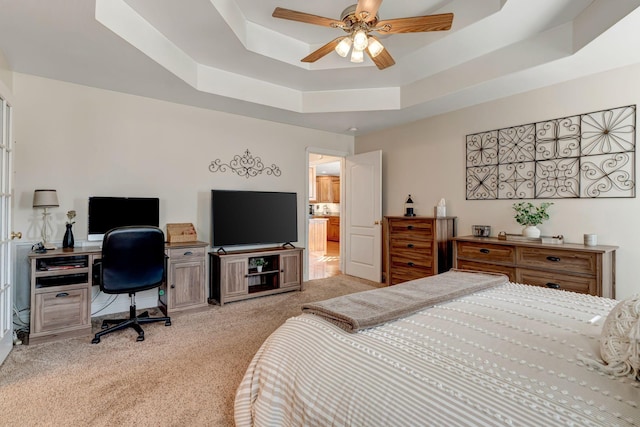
{"x":360,"y":40}
{"x":375,"y":48}
{"x":343,"y":47}
{"x":357,"y":55}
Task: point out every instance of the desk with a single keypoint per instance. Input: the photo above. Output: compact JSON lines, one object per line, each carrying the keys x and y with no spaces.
{"x":61,"y":281}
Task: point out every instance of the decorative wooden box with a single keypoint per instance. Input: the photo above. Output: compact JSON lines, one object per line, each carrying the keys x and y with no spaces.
{"x":181,"y":232}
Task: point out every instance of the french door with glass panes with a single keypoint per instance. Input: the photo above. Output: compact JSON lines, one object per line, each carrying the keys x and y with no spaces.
{"x":6,"y":235}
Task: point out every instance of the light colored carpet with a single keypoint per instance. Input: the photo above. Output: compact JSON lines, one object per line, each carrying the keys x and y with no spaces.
{"x":184,"y":374}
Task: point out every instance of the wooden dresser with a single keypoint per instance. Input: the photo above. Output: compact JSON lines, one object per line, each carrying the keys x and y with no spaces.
{"x":417,"y":247}
{"x":572,"y":267}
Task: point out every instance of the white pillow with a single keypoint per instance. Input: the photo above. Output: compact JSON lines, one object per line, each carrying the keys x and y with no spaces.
{"x":620,"y":340}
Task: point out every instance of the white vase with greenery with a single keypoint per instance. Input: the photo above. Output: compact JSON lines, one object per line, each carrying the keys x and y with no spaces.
{"x":530,"y":216}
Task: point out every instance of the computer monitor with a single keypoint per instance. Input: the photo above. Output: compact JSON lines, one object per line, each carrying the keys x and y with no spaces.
{"x":105,"y":213}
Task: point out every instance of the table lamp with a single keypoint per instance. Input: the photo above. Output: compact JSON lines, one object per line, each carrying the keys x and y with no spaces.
{"x":45,"y":199}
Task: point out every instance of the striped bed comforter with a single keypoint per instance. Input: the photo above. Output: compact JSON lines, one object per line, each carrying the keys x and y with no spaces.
{"x":504,"y":356}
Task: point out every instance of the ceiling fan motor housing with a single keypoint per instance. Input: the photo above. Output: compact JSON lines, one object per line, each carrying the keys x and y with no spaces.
{"x":348,"y":16}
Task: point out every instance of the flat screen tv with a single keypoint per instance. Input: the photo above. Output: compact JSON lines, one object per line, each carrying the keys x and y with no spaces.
{"x":106,"y":213}
{"x":253,"y":217}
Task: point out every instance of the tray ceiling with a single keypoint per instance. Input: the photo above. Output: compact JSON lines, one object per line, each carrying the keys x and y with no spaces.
{"x":232,"y":55}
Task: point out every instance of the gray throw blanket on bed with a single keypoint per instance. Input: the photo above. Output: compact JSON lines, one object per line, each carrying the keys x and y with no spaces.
{"x":371,"y":308}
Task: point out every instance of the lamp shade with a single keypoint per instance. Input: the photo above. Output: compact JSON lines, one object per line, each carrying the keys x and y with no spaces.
{"x":45,"y":199}
{"x":343,"y":47}
{"x":357,"y":55}
{"x":375,"y":47}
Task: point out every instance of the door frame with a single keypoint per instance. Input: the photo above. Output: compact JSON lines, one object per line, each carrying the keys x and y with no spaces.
{"x":326,"y":152}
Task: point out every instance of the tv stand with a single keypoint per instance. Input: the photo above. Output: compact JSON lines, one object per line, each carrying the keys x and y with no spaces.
{"x":238,"y":275}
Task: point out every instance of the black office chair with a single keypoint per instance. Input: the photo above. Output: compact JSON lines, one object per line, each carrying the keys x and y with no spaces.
{"x":133,"y":260}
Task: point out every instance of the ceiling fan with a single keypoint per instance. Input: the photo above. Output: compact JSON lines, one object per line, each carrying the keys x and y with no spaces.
{"x":359,"y":20}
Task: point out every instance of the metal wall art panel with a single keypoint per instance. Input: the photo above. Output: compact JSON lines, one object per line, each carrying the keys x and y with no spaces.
{"x":246,"y":165}
{"x":583,"y":156}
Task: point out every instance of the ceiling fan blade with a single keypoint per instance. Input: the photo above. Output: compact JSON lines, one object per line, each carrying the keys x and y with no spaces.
{"x":416,"y":24}
{"x":370,"y":7}
{"x":383,"y":59}
{"x":308,"y":18}
{"x":324,"y":50}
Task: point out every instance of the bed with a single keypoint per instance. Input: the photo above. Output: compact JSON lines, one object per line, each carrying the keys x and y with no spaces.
{"x":505,"y":354}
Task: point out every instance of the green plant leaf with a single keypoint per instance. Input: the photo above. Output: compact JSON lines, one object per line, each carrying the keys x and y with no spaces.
{"x":528,"y":214}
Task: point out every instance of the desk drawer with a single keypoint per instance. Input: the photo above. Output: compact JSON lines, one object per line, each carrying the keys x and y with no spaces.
{"x":567,"y":282}
{"x":411,"y":229}
{"x":549,"y":259}
{"x":186,"y":253}
{"x":61,"y":309}
{"x":486,"y":252}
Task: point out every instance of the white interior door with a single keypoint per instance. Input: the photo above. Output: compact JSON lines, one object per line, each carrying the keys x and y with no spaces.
{"x":363,"y":215}
{"x":6,"y":247}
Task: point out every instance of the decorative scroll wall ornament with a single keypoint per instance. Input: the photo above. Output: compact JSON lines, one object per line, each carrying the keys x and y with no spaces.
{"x":245,"y":165}
{"x":583,"y":156}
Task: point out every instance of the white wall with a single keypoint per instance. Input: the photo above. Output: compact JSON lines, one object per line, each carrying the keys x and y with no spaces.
{"x":427,"y":160}
{"x":84,"y":141}
{"x":6,"y":76}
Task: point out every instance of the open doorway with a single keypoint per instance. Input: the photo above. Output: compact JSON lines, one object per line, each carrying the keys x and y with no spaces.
{"x":325,"y":182}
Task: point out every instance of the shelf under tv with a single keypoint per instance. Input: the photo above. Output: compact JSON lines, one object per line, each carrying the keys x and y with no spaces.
{"x":233,"y":275}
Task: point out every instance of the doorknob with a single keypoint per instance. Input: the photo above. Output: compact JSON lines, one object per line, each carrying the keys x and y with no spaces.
{"x":376,"y":223}
{"x":15,"y":235}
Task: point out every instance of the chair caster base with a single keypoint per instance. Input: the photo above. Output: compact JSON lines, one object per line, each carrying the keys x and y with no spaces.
{"x":95,"y":340}
{"x":167,"y":323}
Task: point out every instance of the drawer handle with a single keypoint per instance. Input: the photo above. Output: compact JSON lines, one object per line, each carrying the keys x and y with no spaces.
{"x":410,"y":264}
{"x":553,"y":285}
{"x":485,"y":251}
{"x":188,"y":253}
{"x":62,"y":295}
{"x":410,"y":245}
{"x":409,"y":227}
{"x":553,"y":258}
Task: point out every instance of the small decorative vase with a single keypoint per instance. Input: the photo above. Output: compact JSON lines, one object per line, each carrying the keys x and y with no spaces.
{"x":67,"y":240}
{"x":531,"y":231}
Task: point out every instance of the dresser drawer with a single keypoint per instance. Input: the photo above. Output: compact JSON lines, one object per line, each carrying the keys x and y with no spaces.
{"x":410,"y":248}
{"x":404,"y":273}
{"x":412,"y":262}
{"x":549,"y":259}
{"x":567,"y":282}
{"x":490,"y":268}
{"x":411,"y":229}
{"x":486,"y":252}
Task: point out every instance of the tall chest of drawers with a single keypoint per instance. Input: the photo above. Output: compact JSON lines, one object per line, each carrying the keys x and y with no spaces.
{"x":572,"y":267}
{"x":417,"y":247}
